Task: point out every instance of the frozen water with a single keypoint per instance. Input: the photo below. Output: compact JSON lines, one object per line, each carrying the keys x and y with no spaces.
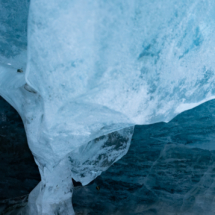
{"x":146,"y":60}
{"x":159,"y":175}
{"x":98,"y":67}
{"x":13,"y":33}
{"x":99,"y":154}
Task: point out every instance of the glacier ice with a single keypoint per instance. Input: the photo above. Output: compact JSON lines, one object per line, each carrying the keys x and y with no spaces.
{"x":159,"y":174}
{"x":95,"y":68}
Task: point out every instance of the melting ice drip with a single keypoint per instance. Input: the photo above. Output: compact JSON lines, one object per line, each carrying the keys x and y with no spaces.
{"x":95,"y":69}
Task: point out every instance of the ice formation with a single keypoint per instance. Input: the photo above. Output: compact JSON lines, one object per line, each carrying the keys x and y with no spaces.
{"x":93,"y":70}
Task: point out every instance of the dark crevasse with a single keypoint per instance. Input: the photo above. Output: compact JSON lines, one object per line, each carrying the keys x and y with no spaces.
{"x":18,"y":172}
{"x":163,"y":173}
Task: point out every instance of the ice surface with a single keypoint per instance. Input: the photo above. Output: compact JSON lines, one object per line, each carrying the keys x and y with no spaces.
{"x":13,"y":32}
{"x":96,"y":67}
{"x":145,"y":60}
{"x":159,"y":175}
{"x":99,"y":154}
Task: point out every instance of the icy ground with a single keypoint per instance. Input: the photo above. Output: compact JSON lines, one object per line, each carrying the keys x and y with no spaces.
{"x":163,"y":172}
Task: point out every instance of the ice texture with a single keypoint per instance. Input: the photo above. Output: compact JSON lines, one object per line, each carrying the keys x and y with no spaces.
{"x":95,"y":68}
{"x":99,"y":154}
{"x":147,"y":60}
{"x":162,"y":174}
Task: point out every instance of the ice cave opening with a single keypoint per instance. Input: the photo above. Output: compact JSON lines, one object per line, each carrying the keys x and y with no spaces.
{"x":169,"y":169}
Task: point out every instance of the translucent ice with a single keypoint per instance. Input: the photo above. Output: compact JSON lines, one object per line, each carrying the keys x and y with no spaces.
{"x":99,"y":67}
{"x":145,"y":60}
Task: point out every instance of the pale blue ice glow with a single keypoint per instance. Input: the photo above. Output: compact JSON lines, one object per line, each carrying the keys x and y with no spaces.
{"x":99,"y":67}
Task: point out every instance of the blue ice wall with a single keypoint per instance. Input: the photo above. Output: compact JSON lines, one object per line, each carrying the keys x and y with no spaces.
{"x":13,"y":26}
